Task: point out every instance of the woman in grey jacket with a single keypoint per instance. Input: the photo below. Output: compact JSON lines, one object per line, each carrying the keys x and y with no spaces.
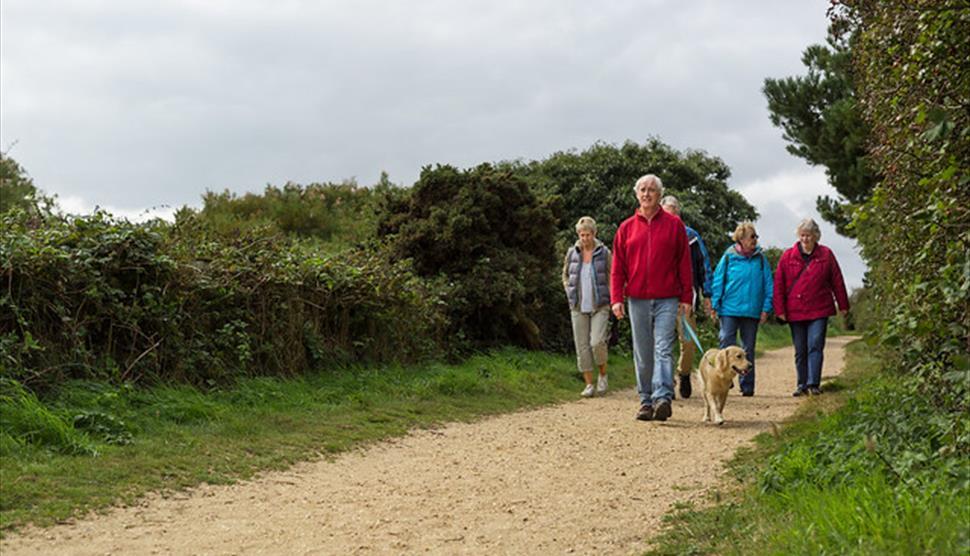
{"x":586,"y":278}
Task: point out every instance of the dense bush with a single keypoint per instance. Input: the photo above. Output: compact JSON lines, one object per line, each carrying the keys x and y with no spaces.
{"x":95,"y":297}
{"x":598,"y":182}
{"x":338,"y":215}
{"x":488,"y":240}
{"x":910,"y":59}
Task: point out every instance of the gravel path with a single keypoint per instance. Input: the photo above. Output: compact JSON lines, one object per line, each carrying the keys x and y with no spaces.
{"x":582,"y":477}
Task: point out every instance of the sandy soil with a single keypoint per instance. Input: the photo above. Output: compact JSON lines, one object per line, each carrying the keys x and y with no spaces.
{"x":583,"y":477}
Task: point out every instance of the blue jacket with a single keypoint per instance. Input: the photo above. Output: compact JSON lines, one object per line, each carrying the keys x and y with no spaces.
{"x":742,"y":286}
{"x":702,"y":273}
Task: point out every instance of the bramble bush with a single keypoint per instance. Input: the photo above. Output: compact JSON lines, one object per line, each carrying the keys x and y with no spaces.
{"x":99,"y":298}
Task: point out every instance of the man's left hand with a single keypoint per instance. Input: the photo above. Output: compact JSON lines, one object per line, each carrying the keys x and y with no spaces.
{"x":685,"y":309}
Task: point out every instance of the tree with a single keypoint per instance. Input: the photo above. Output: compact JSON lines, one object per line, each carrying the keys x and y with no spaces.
{"x":16,"y":187}
{"x":822,"y":121}
{"x":599,"y":182}
{"x":487,"y":239}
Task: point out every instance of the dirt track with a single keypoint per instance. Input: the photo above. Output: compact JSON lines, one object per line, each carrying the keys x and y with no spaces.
{"x":582,"y":477}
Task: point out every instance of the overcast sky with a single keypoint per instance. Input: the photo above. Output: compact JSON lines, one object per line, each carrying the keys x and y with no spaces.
{"x":129,"y":104}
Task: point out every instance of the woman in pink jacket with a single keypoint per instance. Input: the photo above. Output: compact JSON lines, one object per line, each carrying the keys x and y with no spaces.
{"x":808,"y":283}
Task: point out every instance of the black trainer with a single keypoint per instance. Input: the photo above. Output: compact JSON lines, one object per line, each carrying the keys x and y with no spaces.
{"x":800,"y":392}
{"x":662,"y":411}
{"x":685,"y":390}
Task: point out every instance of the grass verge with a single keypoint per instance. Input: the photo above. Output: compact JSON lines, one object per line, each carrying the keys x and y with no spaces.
{"x":868,"y":469}
{"x":111,"y":444}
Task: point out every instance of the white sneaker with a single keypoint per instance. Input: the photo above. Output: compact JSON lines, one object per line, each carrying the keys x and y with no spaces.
{"x":602,"y":384}
{"x":588,"y":391}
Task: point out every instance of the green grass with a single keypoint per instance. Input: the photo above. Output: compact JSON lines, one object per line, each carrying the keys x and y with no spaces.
{"x":868,"y":469}
{"x":176,"y":437}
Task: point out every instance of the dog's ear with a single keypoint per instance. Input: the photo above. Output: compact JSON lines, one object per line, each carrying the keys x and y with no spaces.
{"x":721,"y":359}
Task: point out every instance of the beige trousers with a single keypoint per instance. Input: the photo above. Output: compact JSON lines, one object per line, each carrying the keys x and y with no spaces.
{"x":590,"y":333}
{"x":686,"y":362}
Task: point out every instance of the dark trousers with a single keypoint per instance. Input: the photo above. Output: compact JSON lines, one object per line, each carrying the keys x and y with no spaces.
{"x":730,"y":326}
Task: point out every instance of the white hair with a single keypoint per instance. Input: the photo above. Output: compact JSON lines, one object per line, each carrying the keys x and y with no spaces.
{"x":672,"y":202}
{"x":810,"y":226}
{"x":646,"y":178}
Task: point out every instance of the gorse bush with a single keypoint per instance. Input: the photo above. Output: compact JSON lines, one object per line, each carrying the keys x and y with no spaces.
{"x":486,"y":238}
{"x":95,"y":297}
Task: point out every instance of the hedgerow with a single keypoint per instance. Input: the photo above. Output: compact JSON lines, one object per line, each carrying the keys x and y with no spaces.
{"x":100,"y":298}
{"x":910,"y":59}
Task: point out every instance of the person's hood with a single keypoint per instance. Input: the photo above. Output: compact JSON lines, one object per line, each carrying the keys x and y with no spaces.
{"x":732,"y":250}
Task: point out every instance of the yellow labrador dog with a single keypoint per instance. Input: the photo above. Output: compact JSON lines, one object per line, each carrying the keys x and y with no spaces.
{"x":716,"y":373}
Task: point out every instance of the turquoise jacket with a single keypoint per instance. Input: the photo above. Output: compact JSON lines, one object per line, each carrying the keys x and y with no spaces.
{"x":742,"y":286}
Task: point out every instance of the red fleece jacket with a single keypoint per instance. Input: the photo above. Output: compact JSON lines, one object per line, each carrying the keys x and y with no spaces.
{"x":651,"y":259}
{"x":809,"y":296}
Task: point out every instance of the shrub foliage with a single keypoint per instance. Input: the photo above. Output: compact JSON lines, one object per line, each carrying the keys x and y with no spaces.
{"x":599,"y":181}
{"x":910,"y":59}
{"x":96,"y":297}
{"x":488,"y":240}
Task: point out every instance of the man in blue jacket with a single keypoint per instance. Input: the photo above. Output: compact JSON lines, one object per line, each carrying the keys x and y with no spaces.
{"x":701,"y":264}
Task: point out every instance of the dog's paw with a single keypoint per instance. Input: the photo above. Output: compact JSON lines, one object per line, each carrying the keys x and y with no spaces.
{"x":719,"y":422}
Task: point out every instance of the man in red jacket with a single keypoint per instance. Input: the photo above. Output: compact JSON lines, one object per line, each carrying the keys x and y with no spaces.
{"x":652,"y":270}
{"x":808,"y":282}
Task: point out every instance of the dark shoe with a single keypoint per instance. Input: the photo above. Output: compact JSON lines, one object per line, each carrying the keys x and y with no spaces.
{"x":645,"y":413}
{"x":663,"y":411}
{"x":747,"y":394}
{"x":685,"y":390}
{"x":800,"y":392}
{"x":814,"y":390}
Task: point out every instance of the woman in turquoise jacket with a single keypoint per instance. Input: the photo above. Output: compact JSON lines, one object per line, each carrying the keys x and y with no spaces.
{"x":741,"y":293}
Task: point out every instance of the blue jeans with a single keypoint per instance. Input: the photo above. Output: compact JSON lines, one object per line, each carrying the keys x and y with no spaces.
{"x":654,"y":325}
{"x":749,"y":334}
{"x":808,"y":336}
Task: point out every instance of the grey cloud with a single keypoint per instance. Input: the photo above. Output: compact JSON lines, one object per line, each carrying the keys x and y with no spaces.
{"x":136,"y":103}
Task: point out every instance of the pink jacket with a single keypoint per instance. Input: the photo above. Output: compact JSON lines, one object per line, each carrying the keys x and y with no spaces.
{"x":808,"y":291}
{"x":651,"y":260}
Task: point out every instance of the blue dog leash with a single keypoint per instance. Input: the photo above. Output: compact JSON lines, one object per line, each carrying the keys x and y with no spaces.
{"x":690,"y":332}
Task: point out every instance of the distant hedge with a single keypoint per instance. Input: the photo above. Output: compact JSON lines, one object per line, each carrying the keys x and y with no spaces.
{"x":96,"y":297}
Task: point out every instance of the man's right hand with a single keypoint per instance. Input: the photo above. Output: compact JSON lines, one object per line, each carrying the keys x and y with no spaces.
{"x":618,"y":310}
